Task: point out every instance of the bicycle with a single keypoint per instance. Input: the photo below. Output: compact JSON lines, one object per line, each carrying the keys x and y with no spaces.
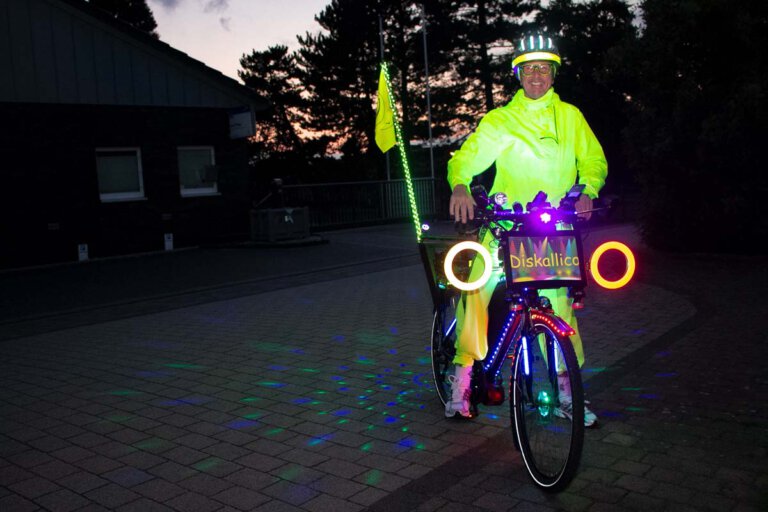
{"x":522,"y":327}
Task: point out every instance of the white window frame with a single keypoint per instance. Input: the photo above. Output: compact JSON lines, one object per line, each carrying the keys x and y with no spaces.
{"x":197,"y":191}
{"x":111,"y":197}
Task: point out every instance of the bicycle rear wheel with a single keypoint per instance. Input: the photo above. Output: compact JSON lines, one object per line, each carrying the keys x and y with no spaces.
{"x":549,"y":441}
{"x":444,"y":344}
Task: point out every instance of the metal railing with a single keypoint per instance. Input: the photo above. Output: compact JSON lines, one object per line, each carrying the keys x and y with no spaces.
{"x":333,"y":205}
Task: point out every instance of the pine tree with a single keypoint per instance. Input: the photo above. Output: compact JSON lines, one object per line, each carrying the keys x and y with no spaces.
{"x":273,"y":75}
{"x":133,"y":12}
{"x":593,"y":39}
{"x":698,"y":127}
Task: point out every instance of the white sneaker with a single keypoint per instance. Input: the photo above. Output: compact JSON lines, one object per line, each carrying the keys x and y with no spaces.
{"x":566,"y":405}
{"x":460,"y":391}
{"x":566,"y":411}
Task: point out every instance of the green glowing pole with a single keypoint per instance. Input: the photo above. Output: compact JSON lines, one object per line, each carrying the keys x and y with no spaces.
{"x":403,"y":157}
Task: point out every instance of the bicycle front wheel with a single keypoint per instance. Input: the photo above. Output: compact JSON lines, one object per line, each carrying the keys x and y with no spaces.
{"x":550,"y":437}
{"x":444,"y":344}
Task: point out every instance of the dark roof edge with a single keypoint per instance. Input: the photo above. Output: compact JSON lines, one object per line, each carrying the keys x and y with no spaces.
{"x":258,"y":102}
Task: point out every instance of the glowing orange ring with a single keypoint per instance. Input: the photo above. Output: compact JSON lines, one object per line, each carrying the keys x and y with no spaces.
{"x":623,"y":280}
{"x":448,"y":265}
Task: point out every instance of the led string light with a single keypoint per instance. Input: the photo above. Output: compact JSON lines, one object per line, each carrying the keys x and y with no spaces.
{"x":525,"y":356}
{"x":499,"y":343}
{"x":403,"y":157}
{"x":551,"y":324}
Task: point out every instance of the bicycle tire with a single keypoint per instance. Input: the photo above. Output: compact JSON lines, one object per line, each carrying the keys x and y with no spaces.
{"x":550,"y":443}
{"x":443,"y":344}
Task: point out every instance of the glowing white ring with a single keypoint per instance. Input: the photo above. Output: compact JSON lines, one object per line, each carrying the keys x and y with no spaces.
{"x":448,"y":265}
{"x":623,"y":280}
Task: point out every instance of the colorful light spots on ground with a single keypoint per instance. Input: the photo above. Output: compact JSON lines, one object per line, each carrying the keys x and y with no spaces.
{"x":152,"y":444}
{"x":192,"y":400}
{"x":242,"y":424}
{"x":319,"y":440}
{"x":373,"y":477}
{"x":184,"y":366}
{"x":207,"y":464}
{"x":271,"y":384}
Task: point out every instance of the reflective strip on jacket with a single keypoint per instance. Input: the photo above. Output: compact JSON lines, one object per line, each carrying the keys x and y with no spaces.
{"x":540,"y":144}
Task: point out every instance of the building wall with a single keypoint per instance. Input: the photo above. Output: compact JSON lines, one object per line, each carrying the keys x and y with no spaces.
{"x":49,"y":200}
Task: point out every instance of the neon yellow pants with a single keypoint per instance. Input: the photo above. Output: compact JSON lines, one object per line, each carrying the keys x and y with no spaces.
{"x":472,"y":314}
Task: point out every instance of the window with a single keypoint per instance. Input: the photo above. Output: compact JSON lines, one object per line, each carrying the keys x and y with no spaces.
{"x":119,"y":174}
{"x":197,"y":171}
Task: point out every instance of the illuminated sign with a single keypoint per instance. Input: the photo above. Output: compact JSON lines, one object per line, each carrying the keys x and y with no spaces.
{"x":543,"y":258}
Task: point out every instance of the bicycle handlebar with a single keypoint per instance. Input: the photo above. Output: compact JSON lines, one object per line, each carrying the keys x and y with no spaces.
{"x":539,"y":213}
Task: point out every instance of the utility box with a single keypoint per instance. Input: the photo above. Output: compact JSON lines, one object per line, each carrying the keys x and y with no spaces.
{"x":276,"y":224}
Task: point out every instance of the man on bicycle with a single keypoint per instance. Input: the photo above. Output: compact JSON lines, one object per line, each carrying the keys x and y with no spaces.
{"x":537,"y":142}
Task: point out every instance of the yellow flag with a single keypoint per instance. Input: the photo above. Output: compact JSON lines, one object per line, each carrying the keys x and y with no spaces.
{"x":385,"y":121}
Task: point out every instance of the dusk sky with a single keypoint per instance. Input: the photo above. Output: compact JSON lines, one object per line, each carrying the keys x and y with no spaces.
{"x":218,"y":32}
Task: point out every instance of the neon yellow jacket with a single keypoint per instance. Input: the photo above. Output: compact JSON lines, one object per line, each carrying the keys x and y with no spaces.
{"x":540,"y":144}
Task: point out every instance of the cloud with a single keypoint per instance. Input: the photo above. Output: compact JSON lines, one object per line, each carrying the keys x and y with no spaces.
{"x":167,"y":4}
{"x":216,"y":5}
{"x":225,"y":23}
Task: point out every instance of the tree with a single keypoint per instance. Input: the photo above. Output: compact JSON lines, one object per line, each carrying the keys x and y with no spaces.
{"x":485,"y":31}
{"x":133,"y":12}
{"x":698,"y":127}
{"x":273,"y":75}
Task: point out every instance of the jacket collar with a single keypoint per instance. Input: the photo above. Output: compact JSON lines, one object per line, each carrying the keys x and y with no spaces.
{"x":523,"y":102}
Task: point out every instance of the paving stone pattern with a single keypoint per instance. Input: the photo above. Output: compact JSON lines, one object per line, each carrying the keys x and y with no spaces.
{"x":318,"y":397}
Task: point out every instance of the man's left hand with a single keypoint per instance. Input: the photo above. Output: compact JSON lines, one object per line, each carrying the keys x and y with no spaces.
{"x":584,"y":204}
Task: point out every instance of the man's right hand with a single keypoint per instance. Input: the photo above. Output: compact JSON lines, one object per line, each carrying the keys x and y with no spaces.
{"x":462,"y":205}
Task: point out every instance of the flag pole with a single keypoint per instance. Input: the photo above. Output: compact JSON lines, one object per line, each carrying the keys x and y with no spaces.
{"x":400,"y":143}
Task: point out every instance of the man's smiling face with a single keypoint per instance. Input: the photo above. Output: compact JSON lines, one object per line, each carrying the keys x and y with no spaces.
{"x":536,"y":83}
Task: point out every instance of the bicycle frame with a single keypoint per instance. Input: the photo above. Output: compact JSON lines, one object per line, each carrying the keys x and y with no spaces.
{"x":515,"y":331}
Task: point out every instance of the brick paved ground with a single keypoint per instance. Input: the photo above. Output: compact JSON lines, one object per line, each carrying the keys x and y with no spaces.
{"x":312,"y":391}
